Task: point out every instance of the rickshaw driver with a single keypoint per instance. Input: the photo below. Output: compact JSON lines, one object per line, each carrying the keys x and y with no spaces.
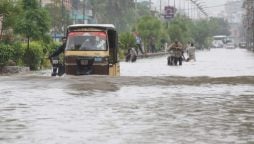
{"x":89,"y":44}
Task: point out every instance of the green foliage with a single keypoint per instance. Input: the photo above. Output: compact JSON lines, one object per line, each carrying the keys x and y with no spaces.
{"x":18,"y":53}
{"x":149,"y":28}
{"x":126,"y":40}
{"x":179,"y":29}
{"x":201,"y":32}
{"x":11,"y":52}
{"x":121,"y":13}
{"x":59,"y":16}
{"x":6,"y":52}
{"x":30,"y":4}
{"x":34,"y":22}
{"x":33,"y":55}
{"x":48,"y":48}
{"x":218,"y":26}
{"x":143,"y":9}
{"x":10,"y":13}
{"x":198,"y":31}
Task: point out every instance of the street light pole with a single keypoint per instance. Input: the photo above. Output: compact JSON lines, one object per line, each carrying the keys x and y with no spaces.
{"x":174,"y":7}
{"x":63,"y":16}
{"x":84,"y":10}
{"x":188,"y":8}
{"x":160,"y":7}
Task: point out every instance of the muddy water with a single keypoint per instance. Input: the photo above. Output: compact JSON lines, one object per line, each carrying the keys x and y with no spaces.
{"x":147,"y":104}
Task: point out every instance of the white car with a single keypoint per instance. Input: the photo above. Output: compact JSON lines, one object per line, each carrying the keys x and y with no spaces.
{"x":230,"y":46}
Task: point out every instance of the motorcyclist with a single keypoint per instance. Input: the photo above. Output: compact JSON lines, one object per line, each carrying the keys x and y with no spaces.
{"x":177,"y":52}
{"x":171,"y":56}
{"x":131,"y":55}
{"x":59,"y":50}
{"x":58,"y":68}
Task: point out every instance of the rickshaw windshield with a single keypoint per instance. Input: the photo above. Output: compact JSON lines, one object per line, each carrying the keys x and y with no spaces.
{"x":86,"y":41}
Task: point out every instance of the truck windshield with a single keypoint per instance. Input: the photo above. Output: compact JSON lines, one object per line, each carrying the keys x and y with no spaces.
{"x":86,"y":41}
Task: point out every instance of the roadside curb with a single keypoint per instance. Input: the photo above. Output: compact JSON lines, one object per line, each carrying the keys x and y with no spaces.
{"x":146,"y":55}
{"x":13,"y":70}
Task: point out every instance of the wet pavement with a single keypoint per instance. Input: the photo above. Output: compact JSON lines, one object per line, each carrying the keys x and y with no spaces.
{"x":210,"y":101}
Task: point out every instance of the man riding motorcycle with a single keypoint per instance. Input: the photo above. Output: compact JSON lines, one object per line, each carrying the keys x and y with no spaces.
{"x":176,"y":51}
{"x":58,"y":68}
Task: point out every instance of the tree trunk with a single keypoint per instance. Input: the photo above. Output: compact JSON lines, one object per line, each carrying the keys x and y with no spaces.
{"x":28,"y":42}
{"x":2,"y":26}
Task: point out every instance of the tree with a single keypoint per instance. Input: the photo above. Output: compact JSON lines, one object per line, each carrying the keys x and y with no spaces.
{"x":149,"y":29}
{"x":118,"y":12}
{"x":34,"y":22}
{"x":10,"y":12}
{"x":179,"y":29}
{"x":59,"y":16}
{"x":219,"y":26}
{"x":201,"y":33}
{"x":126,"y":40}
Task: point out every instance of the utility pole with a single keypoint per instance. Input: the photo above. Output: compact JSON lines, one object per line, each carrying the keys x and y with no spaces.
{"x":179,"y":3}
{"x":188,"y":8}
{"x":63,"y":27}
{"x":150,"y":4}
{"x":84,"y":11}
{"x":174,"y":7}
{"x":135,"y":2}
{"x":160,"y":7}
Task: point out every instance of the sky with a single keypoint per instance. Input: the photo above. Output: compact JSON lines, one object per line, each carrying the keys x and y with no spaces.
{"x":214,"y":6}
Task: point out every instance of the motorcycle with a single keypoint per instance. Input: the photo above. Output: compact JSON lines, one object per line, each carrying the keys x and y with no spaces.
{"x":57,"y":67}
{"x":131,"y":55}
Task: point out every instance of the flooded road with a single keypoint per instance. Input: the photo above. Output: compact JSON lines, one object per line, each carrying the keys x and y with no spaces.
{"x":210,"y":101}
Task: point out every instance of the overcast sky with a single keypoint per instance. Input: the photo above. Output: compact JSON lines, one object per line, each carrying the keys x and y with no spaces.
{"x":212,"y":10}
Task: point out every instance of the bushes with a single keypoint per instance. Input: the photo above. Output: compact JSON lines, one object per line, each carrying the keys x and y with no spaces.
{"x":6,"y":53}
{"x":18,"y":54}
{"x":37,"y":55}
{"x":33,"y":55}
{"x":126,"y":41}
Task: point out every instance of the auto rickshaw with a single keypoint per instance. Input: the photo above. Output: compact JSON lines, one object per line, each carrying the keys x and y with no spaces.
{"x":91,"y":49}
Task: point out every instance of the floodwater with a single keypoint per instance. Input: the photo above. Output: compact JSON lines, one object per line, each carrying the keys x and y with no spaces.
{"x":210,"y":101}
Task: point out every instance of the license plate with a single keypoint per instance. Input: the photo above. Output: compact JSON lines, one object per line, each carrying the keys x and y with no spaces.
{"x":83,"y":62}
{"x":98,"y":59}
{"x":55,"y":61}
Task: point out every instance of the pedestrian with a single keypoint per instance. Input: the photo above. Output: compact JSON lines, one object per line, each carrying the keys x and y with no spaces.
{"x":152,"y":44}
{"x":138,"y":43}
{"x":191,"y":52}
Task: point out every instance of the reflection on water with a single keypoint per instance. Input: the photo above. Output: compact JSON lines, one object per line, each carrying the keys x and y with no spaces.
{"x":198,"y":105}
{"x":33,"y":111}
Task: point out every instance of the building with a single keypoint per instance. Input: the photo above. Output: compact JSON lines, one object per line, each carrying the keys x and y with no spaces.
{"x":83,"y":13}
{"x":233,"y":12}
{"x":67,"y":3}
{"x":248,"y":23}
